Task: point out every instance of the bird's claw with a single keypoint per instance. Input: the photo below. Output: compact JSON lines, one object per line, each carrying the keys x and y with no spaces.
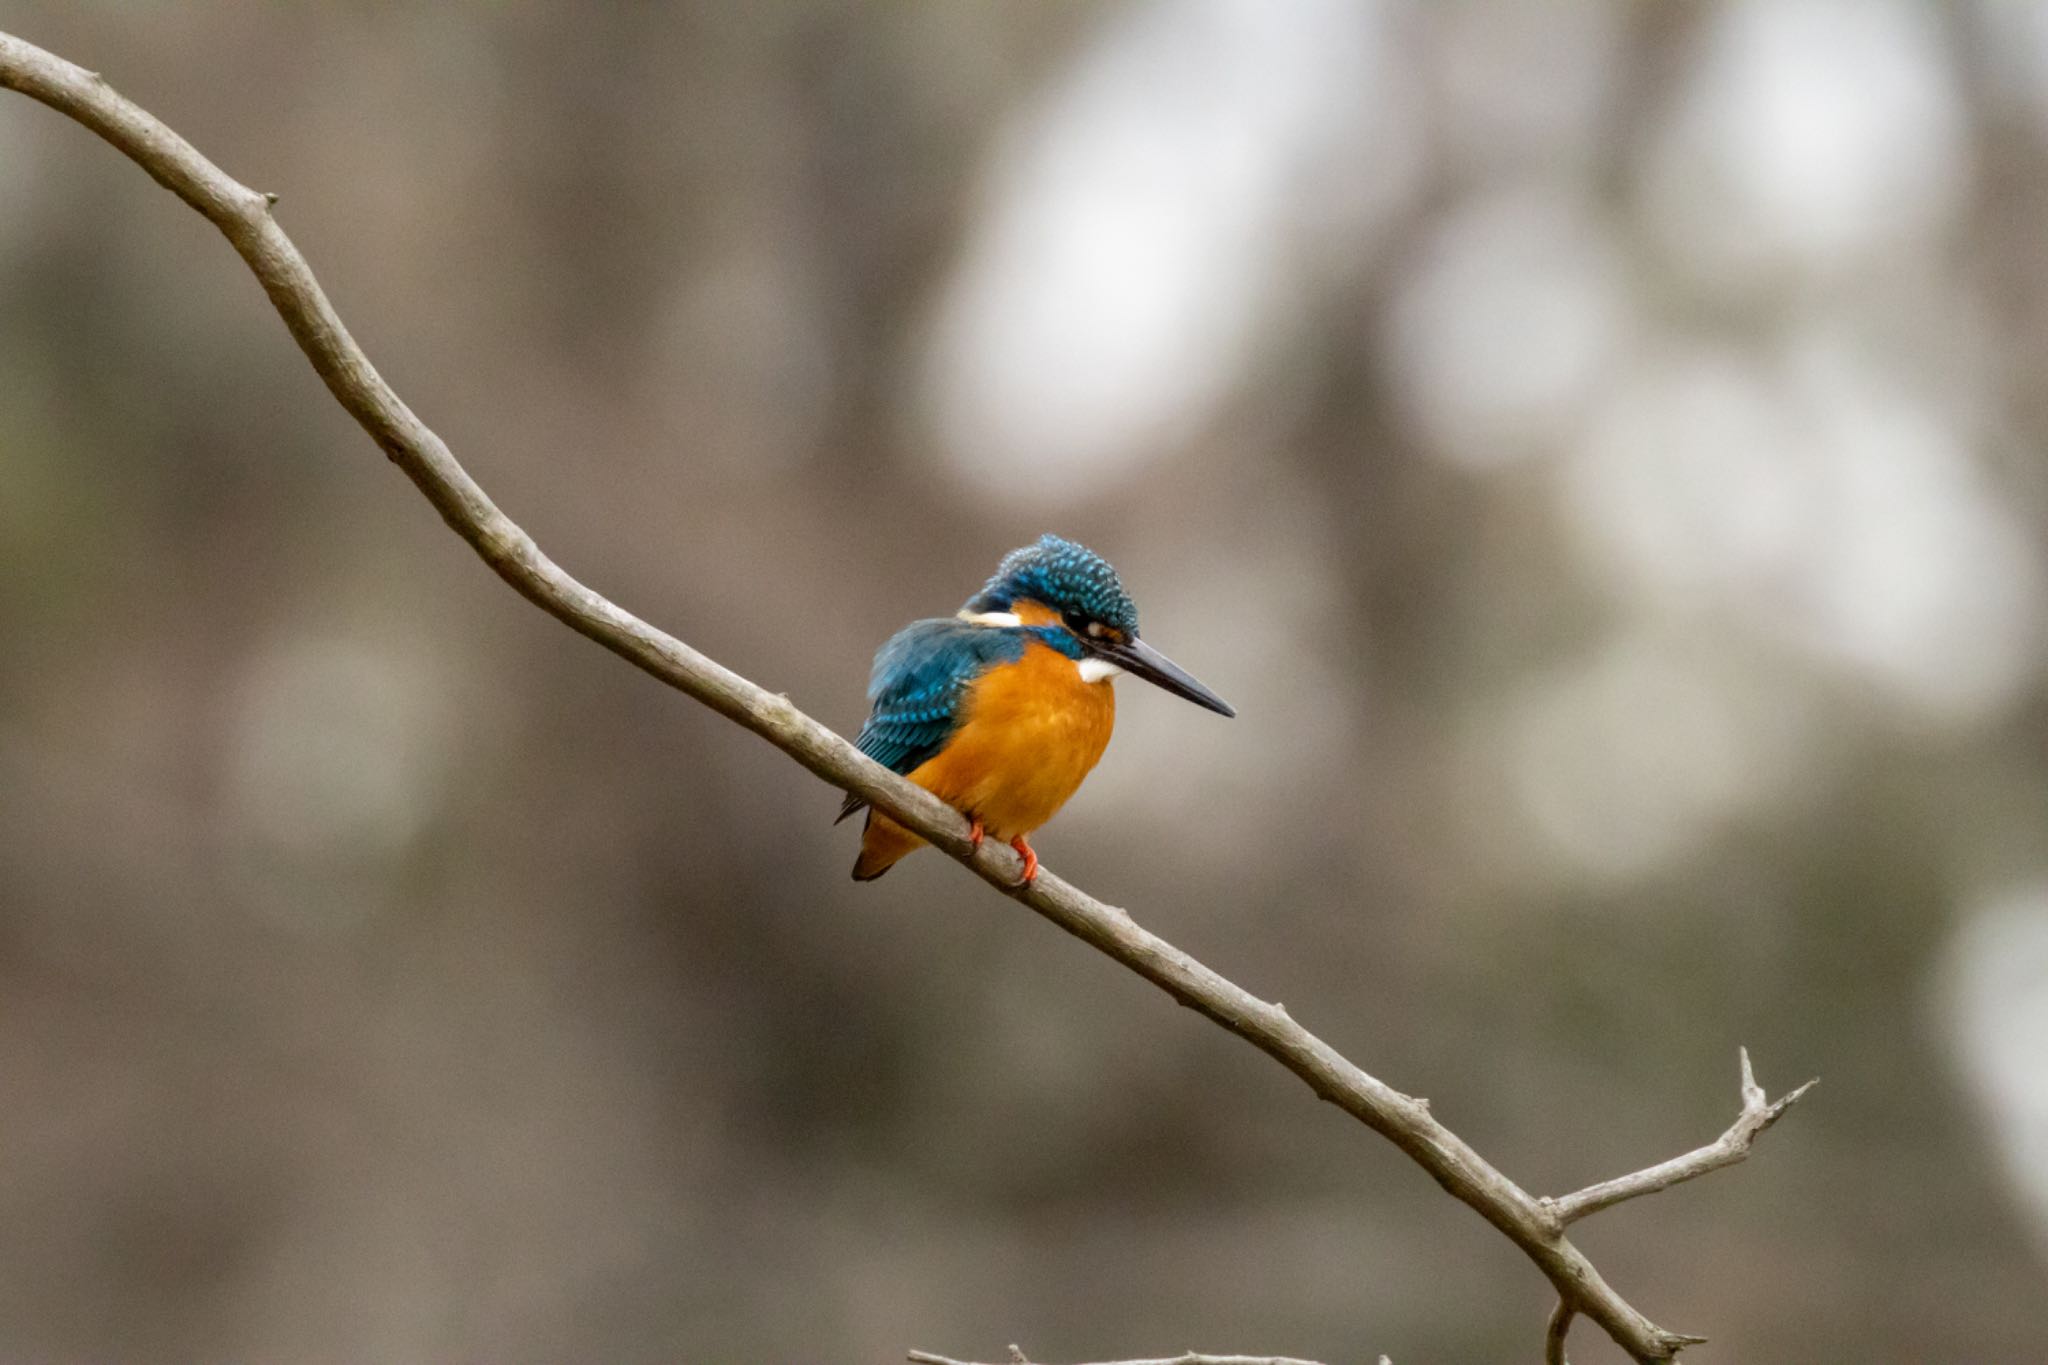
{"x":1030,"y":874}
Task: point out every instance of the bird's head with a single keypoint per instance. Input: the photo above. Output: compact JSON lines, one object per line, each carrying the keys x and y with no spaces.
{"x":1057,"y":585}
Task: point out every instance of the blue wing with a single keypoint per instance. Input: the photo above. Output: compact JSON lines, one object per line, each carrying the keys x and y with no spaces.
{"x":919,"y":686}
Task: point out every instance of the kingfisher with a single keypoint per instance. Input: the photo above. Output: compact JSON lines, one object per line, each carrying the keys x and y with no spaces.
{"x":1002,"y":709}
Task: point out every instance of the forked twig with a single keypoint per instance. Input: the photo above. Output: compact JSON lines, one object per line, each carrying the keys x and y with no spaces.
{"x":1732,"y":1146}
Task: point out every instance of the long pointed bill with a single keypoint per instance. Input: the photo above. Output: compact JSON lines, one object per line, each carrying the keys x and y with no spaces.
{"x":1136,"y":657}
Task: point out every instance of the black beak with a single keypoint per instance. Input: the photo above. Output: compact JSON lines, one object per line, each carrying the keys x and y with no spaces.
{"x":1136,"y":657}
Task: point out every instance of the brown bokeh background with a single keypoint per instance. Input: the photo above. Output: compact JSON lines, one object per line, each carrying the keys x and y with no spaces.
{"x":1596,"y":446}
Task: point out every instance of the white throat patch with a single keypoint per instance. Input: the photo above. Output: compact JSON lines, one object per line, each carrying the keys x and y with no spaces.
{"x":1096,"y":670}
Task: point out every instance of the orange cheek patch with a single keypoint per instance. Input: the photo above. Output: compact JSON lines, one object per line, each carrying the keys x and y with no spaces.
{"x":1034,"y":614}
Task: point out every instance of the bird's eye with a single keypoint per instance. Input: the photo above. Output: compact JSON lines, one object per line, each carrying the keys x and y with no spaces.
{"x":1075,"y":621}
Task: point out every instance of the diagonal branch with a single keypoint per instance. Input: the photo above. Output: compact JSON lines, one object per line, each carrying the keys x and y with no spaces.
{"x":1731,"y":1147}
{"x":244,"y":217}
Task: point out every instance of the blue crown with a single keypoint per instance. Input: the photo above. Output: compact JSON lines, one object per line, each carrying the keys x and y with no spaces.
{"x":1071,"y":579}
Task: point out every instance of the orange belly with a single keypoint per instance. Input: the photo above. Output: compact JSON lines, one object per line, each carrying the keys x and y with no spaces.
{"x":1031,"y":732}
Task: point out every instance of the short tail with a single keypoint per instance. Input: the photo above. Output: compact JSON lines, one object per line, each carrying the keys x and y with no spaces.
{"x":883,"y":844}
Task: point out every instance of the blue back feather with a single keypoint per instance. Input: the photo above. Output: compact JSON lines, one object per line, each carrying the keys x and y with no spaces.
{"x":920,"y":683}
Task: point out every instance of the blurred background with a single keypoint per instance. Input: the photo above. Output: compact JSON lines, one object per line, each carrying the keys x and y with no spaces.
{"x":1598,"y":447}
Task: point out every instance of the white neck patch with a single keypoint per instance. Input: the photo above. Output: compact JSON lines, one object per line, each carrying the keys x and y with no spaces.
{"x":992,"y":618}
{"x":1096,"y":670}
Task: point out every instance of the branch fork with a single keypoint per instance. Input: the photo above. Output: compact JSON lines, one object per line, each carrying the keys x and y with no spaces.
{"x":1758,"y":1113}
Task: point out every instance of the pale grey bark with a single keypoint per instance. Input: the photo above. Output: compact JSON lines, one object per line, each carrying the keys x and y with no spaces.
{"x":1553,"y":1335}
{"x":245,"y":217}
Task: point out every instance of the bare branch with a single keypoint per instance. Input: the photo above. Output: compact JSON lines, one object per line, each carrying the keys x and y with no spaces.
{"x":1191,"y":1358}
{"x":1731,"y":1147}
{"x":244,"y":216}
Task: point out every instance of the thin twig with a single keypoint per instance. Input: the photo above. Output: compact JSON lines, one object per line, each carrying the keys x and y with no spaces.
{"x":1191,"y":1358}
{"x":244,"y":217}
{"x":1553,"y":1336}
{"x":1731,"y":1147}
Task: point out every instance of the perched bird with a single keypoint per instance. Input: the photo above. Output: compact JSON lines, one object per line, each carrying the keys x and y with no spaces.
{"x":1001,"y":710}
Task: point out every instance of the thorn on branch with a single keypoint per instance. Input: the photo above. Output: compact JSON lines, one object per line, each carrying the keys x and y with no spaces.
{"x":1752,"y":1093}
{"x":1560,"y":1327}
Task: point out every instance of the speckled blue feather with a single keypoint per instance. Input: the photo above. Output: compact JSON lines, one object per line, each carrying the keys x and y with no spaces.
{"x":1067,"y":577}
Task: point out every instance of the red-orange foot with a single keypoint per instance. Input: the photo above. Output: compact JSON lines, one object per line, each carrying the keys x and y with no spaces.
{"x":1030,"y":861}
{"x":976,"y":835}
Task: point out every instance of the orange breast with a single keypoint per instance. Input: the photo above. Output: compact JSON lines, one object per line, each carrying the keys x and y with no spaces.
{"x":1031,"y":731}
